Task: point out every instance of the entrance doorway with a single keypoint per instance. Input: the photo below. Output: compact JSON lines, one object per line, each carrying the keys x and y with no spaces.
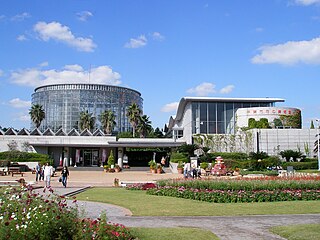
{"x":90,"y":157}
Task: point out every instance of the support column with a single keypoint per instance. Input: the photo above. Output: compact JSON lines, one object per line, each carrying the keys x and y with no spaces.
{"x":120,"y":157}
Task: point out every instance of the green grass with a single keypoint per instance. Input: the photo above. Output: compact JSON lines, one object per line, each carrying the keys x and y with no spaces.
{"x":142,"y":204}
{"x":172,"y":233}
{"x":298,"y":232}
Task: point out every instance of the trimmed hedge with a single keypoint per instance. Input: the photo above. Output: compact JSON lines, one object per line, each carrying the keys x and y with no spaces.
{"x":17,"y":156}
{"x":301,"y":165}
{"x":228,"y":155}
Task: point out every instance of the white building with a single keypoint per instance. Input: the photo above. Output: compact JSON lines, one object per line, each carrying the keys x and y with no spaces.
{"x":218,"y":122}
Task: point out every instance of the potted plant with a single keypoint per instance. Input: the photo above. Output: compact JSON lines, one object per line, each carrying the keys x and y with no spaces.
{"x":117,"y":168}
{"x":111,"y":160}
{"x":159,"y":168}
{"x":180,"y":167}
{"x":153,"y":166}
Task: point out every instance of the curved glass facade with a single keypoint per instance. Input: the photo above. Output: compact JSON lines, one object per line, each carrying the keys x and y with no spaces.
{"x":219,"y":117}
{"x":63,"y":103}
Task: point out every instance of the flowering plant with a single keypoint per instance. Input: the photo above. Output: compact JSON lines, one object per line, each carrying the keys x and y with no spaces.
{"x":27,"y":215}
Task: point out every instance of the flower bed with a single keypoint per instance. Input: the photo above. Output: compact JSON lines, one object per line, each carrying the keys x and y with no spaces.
{"x":25,"y":215}
{"x":266,"y":189}
{"x":251,"y":184}
{"x":229,"y":196}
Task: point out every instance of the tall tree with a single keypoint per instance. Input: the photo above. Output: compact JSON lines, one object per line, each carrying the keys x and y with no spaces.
{"x":133,"y":113}
{"x":312,"y":125}
{"x":37,"y":114}
{"x":87,"y":121}
{"x":144,"y":126}
{"x":107,"y":119}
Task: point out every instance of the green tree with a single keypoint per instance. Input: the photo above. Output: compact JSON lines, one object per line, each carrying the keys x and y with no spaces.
{"x":111,"y":159}
{"x":87,"y":121}
{"x":277,"y":123}
{"x":312,"y":125}
{"x":144,"y":126}
{"x":37,"y":114}
{"x":133,"y":113}
{"x":158,"y":133}
{"x":107,"y":119}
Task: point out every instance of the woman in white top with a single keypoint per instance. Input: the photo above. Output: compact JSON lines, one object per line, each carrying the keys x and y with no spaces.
{"x":47,"y":172}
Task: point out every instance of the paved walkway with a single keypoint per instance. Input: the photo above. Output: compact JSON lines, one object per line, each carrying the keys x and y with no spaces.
{"x":228,"y":227}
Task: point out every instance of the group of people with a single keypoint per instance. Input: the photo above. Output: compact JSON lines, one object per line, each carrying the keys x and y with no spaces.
{"x":47,"y":171}
{"x":191,"y":171}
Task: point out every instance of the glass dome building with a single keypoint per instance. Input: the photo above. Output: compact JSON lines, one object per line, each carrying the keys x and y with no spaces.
{"x":63,"y":103}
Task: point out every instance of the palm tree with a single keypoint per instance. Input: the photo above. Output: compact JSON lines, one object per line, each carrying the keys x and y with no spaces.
{"x":144,"y":126}
{"x":87,"y":121}
{"x":107,"y":119}
{"x":133,"y":113}
{"x":37,"y":114}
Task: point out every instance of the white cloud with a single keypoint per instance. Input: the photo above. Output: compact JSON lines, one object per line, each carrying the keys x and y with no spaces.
{"x":60,"y":33}
{"x":44,"y":64}
{"x":1,"y":73}
{"x":202,"y":90}
{"x":23,"y":117}
{"x":259,"y":29}
{"x":138,"y":42}
{"x":21,"y":38}
{"x":2,"y":17}
{"x":74,"y":67}
{"x":290,"y":53}
{"x":34,"y":77}
{"x":18,"y":103}
{"x":307,"y":2}
{"x":21,"y":17}
{"x":157,"y":36}
{"x":84,"y":15}
{"x":227,"y":89}
{"x":170,"y":107}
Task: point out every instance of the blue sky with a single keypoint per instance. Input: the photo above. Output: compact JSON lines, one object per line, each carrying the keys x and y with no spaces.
{"x":165,"y":49}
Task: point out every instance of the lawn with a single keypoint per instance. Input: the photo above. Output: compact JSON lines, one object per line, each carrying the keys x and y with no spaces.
{"x":142,"y":204}
{"x":298,"y":232}
{"x":172,"y":233}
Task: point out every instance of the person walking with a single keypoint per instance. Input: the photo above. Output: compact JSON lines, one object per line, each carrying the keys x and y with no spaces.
{"x":64,"y":175}
{"x":47,"y":173}
{"x":38,"y":172}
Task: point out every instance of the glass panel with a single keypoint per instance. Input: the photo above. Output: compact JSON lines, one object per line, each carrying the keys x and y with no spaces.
{"x":229,"y":118}
{"x":203,"y":117}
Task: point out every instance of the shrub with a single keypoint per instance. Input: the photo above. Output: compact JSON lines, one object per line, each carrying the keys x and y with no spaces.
{"x":177,"y":157}
{"x":204,"y":165}
{"x":111,"y":159}
{"x":287,"y":154}
{"x":26,"y":215}
{"x":301,"y":165}
{"x":258,"y":155}
{"x":227,"y":155}
{"x":17,"y":156}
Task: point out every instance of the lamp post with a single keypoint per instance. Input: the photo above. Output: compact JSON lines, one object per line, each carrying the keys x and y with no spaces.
{"x":318,"y":143}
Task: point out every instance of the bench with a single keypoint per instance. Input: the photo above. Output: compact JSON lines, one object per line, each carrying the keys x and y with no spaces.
{"x":16,"y":172}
